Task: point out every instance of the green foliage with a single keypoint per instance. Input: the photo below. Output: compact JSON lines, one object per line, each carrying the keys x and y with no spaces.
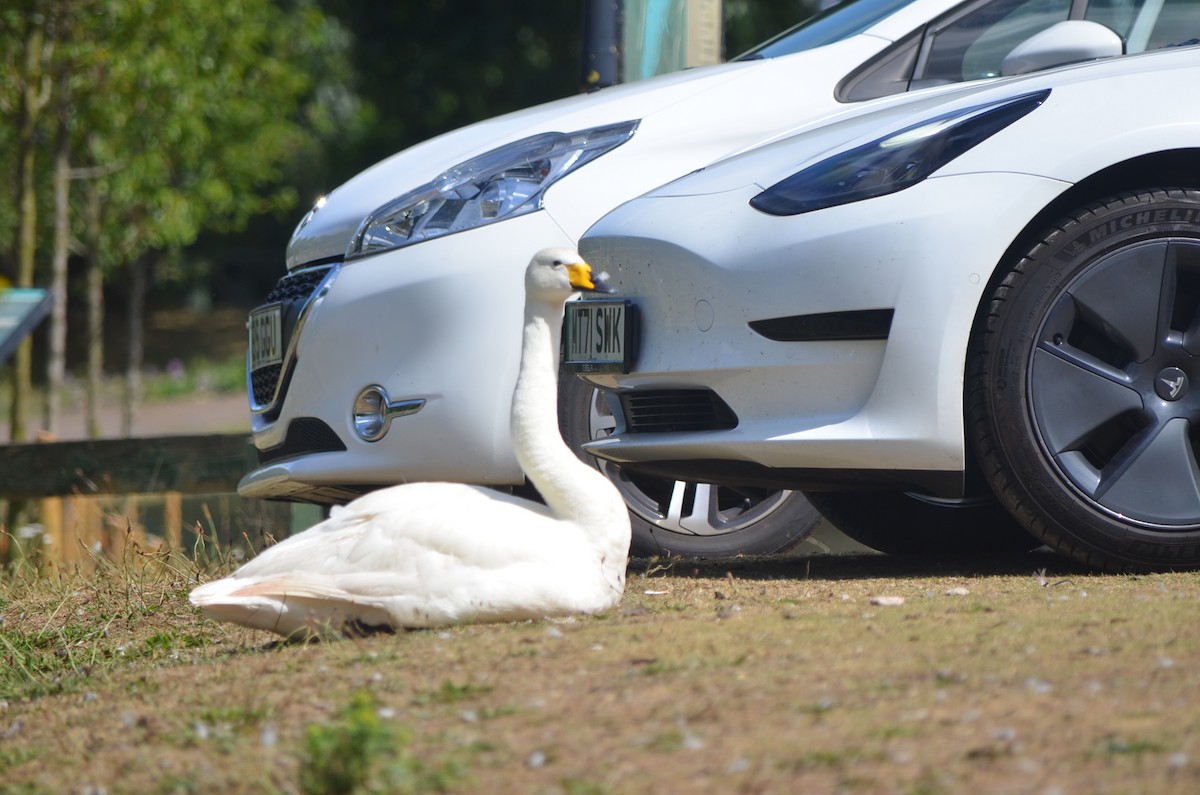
{"x":188,"y":114}
{"x":362,"y":752}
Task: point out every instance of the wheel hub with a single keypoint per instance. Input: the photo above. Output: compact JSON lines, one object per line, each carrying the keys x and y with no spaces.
{"x":1171,"y":384}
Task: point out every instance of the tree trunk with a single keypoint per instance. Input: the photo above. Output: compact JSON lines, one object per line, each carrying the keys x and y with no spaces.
{"x":95,"y":312}
{"x":56,"y":365}
{"x":34,"y":92}
{"x":22,"y":382}
{"x":133,"y":368}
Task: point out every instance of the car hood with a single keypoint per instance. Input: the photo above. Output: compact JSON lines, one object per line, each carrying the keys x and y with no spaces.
{"x":691,"y":95}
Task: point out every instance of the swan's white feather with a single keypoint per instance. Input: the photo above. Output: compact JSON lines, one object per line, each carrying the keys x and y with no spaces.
{"x":431,"y":554}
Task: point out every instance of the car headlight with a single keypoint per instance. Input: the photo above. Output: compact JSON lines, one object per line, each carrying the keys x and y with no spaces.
{"x":894,"y":162}
{"x":503,"y":183}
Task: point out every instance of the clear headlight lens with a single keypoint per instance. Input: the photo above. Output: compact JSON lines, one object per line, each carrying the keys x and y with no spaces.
{"x":503,"y":183}
{"x":894,"y":162}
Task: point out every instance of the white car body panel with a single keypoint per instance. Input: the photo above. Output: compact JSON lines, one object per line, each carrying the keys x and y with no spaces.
{"x":875,"y":404}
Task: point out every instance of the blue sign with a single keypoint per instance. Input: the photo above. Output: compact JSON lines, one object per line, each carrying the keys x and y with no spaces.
{"x":21,"y":309}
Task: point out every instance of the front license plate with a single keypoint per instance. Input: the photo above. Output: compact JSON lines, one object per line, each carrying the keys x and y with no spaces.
{"x":599,"y":336}
{"x":266,"y":336}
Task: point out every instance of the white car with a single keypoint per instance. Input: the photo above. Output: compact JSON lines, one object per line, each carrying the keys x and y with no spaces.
{"x":952,"y":318}
{"x":386,"y":354}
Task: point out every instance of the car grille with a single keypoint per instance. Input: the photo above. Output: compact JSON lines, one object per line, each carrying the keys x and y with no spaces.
{"x":675,"y":411}
{"x":295,"y":293}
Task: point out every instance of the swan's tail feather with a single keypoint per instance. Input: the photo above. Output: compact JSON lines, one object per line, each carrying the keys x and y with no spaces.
{"x":290,"y":605}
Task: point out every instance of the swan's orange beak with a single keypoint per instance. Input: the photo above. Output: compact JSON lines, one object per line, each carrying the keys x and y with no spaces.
{"x":582,"y":278}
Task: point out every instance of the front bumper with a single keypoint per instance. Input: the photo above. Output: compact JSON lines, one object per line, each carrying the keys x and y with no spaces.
{"x":439,"y":321}
{"x":811,"y":413}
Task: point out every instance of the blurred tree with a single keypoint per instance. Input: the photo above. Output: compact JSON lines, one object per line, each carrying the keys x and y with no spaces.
{"x":27,"y":44}
{"x":222,"y":96}
{"x":181,"y":116}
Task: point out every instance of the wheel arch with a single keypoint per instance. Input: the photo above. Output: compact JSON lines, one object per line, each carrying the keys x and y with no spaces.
{"x":1075,"y":340}
{"x":1153,"y":170}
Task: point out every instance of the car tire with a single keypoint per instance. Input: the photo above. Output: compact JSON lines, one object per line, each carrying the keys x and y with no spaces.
{"x":1083,"y":388}
{"x":899,"y":523}
{"x":678,"y":518}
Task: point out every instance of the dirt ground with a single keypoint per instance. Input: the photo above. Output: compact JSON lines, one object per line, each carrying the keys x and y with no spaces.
{"x":820,"y":674}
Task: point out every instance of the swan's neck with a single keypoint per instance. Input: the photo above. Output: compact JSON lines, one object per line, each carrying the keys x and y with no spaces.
{"x":572,"y":489}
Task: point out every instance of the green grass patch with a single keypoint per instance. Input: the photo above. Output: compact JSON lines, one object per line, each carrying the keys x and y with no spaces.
{"x":362,"y":752}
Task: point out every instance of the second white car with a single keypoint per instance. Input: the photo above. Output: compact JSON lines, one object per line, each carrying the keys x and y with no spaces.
{"x":965,"y":321}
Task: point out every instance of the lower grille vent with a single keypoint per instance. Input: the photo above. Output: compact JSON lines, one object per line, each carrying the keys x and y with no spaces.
{"x":304,"y":435}
{"x":675,"y":411}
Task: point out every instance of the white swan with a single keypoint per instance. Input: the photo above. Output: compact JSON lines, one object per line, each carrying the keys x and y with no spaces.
{"x":435,"y":554}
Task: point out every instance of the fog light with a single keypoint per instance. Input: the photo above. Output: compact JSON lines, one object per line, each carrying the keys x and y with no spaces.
{"x":373,"y":412}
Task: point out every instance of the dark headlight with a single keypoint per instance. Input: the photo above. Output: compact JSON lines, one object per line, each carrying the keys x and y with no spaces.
{"x":895,"y":162}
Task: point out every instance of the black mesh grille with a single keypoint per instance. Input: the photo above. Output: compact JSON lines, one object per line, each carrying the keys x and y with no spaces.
{"x":293,"y":292}
{"x":296,"y":286}
{"x":304,"y":435}
{"x":263,"y":381}
{"x":675,"y":410}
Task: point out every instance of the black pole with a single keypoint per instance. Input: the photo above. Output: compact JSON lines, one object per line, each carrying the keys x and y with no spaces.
{"x":601,"y":43}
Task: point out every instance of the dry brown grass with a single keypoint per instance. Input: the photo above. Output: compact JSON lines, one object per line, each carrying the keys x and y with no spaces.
{"x":743,"y":676}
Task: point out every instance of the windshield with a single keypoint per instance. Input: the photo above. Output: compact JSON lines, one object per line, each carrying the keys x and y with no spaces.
{"x":833,"y":24}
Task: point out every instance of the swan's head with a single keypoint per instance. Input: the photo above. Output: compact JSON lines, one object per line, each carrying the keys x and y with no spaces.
{"x":555,"y":274}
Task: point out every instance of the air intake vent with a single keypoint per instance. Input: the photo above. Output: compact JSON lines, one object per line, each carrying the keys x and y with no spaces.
{"x":305,"y":435}
{"x":675,"y":411}
{"x":863,"y":324}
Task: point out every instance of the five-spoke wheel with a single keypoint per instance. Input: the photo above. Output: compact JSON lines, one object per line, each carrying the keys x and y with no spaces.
{"x":1084,"y":391}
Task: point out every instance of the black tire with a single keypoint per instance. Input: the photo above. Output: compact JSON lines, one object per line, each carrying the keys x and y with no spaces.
{"x":680,"y":518}
{"x":908,"y":524}
{"x":1083,"y":389}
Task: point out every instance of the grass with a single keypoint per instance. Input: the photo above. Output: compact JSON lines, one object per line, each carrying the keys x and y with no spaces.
{"x":1024,"y":675}
{"x":364,"y":751}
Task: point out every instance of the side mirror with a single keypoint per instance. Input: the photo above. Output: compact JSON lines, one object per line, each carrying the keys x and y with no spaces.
{"x":1065,"y":42}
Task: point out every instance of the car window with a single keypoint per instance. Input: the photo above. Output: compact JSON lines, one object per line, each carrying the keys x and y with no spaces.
{"x":974,"y":45}
{"x":844,"y":20}
{"x":1148,"y":24}
{"x":970,"y":43}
